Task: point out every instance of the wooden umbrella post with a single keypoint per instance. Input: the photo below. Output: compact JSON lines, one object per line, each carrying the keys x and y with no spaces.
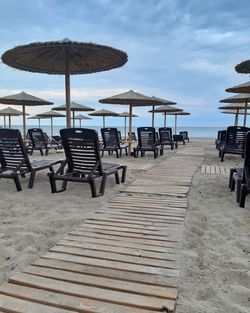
{"x":4,"y":121}
{"x":24,"y":123}
{"x":245,"y":115}
{"x":67,"y":87}
{"x":39,"y":123}
{"x":103,"y":121}
{"x":236,"y":118}
{"x":153,"y":115}
{"x":73,"y":118}
{"x":80,"y":123}
{"x":165,"y":119}
{"x":51,"y":127}
{"x":175,"y":127}
{"x":125,"y":130}
{"x":9,"y":121}
{"x":130,"y":129}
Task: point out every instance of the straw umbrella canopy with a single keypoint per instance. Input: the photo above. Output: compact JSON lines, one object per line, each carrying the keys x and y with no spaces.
{"x":50,"y":115}
{"x":237,"y":107}
{"x":24,"y":99}
{"x":74,"y":107}
{"x":163,"y":101}
{"x":176,"y":114}
{"x":239,"y":98}
{"x":10,"y":112}
{"x":104,"y":113}
{"x":131,"y":98}
{"x":64,"y":57}
{"x":242,"y":88}
{"x":125,"y":115}
{"x":81,"y":117}
{"x":165,"y":109}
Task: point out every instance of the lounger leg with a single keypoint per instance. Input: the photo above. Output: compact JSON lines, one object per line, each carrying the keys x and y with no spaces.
{"x":117,"y":178}
{"x":117,"y":153}
{"x":93,"y":188}
{"x":242,"y":196}
{"x":124,"y":171}
{"x":232,"y":170}
{"x":232,"y":187}
{"x":46,"y":151}
{"x":103,"y":184}
{"x":126,"y":151}
{"x":222,"y":156}
{"x":41,"y":151}
{"x":32,"y":178}
{"x":17,"y":183}
{"x":52,"y":183}
{"x":238,"y":187}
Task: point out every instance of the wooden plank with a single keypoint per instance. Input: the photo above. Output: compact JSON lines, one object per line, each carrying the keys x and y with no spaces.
{"x":128,"y":237}
{"x":130,"y":214}
{"x":107,"y":240}
{"x":203,"y":169}
{"x":14,"y":305}
{"x":174,"y":190}
{"x":89,"y":253}
{"x":125,"y":276}
{"x":62,"y":301}
{"x":103,"y":282}
{"x":117,"y":249}
{"x":122,"y":298}
{"x":217,"y":170}
{"x":113,"y":264}
{"x":212,"y":169}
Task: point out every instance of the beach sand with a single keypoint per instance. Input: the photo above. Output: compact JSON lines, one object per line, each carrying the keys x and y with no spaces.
{"x":215,"y":249}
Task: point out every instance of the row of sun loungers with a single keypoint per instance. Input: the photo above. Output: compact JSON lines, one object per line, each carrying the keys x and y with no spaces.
{"x":236,"y":140}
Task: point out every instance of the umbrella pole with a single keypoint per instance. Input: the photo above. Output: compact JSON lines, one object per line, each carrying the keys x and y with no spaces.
{"x":24,"y":123}
{"x":39,"y":123}
{"x":4,"y":121}
{"x":103,"y":121}
{"x":165,"y":119}
{"x":9,"y":121}
{"x":67,"y":87}
{"x":130,"y":129}
{"x":74,"y":119}
{"x":51,"y":129}
{"x":236,"y":118}
{"x":245,"y":115}
{"x":153,"y":115}
{"x":80,"y":123}
{"x":125,"y":130}
{"x":175,"y":124}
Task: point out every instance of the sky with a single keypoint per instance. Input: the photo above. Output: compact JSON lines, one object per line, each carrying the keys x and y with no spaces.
{"x":179,"y":50}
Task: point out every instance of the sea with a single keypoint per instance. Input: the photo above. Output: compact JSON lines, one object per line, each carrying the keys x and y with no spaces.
{"x":204,"y":132}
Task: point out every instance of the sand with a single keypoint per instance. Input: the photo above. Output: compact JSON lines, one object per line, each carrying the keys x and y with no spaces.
{"x":215,"y":250}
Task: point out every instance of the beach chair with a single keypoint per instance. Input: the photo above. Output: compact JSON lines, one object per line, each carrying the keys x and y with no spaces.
{"x":39,"y":142}
{"x":240,"y":177}
{"x":165,"y":134}
{"x":146,"y":142}
{"x":234,"y":141}
{"x":83,"y":162}
{"x":14,"y":160}
{"x":111,"y":142}
{"x":177,"y":139}
{"x":184,"y":135}
{"x":133,"y":137}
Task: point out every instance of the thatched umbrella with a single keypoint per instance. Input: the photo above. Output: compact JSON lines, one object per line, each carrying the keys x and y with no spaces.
{"x":242,"y":88}
{"x":50,"y":114}
{"x":104,"y":113}
{"x":74,"y":107}
{"x":165,"y":109}
{"x":239,"y":98}
{"x":125,"y":115}
{"x":131,"y":98}
{"x":164,"y":102}
{"x":64,"y":57}
{"x":237,"y":107}
{"x":81,"y":117}
{"x":24,"y":99}
{"x":176,"y":114}
{"x":10,"y":112}
{"x":35,"y":117}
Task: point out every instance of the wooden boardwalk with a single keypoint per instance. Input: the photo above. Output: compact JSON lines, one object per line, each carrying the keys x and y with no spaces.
{"x":215,"y":170}
{"x":124,"y":258}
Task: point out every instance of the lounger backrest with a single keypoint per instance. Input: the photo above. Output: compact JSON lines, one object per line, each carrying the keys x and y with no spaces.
{"x":223,"y":134}
{"x":146,"y":137}
{"x":12,"y":150}
{"x":133,"y":136}
{"x":119,"y":135}
{"x":235,"y":137}
{"x":110,"y":137}
{"x":184,"y":134}
{"x":37,"y":137}
{"x":81,"y":147}
{"x":165,"y":134}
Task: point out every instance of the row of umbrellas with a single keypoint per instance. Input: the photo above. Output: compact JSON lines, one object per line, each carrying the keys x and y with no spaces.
{"x":238,"y":104}
{"x":67,"y":58}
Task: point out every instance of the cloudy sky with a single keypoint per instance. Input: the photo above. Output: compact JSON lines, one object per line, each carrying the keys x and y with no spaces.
{"x":179,"y":50}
